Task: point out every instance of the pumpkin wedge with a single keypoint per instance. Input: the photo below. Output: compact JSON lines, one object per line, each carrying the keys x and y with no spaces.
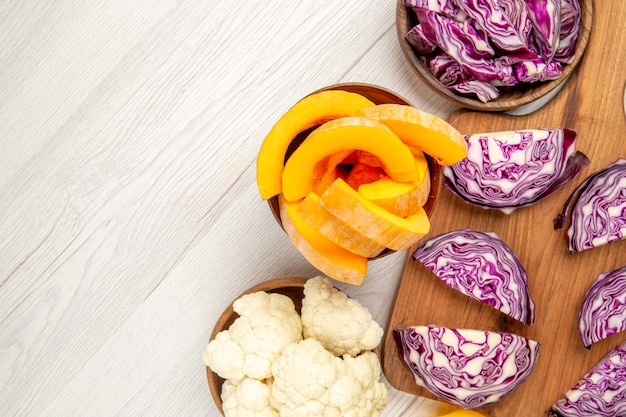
{"x":425,"y":131}
{"x":400,"y":198}
{"x":340,"y":135}
{"x":338,"y":232}
{"x":334,"y":261}
{"x":385,"y":228}
{"x":311,"y":111}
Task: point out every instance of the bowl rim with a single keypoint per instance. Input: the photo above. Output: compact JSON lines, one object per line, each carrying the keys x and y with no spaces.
{"x":517,"y":97}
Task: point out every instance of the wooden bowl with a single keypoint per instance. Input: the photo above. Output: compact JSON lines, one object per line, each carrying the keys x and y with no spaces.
{"x":378,"y":95}
{"x":515,"y":97}
{"x":292,"y":287}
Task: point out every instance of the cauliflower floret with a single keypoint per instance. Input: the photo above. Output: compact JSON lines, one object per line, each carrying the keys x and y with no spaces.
{"x":267,"y":323}
{"x":341,"y":324}
{"x":311,"y":381}
{"x":247,"y":398}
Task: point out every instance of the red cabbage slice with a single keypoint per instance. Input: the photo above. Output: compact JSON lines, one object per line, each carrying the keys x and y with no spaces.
{"x":537,"y":70}
{"x":597,"y":208}
{"x":570,"y":24}
{"x":468,"y":368}
{"x":483,"y":91}
{"x":546,"y":18}
{"x":600,"y":393}
{"x":493,"y":19}
{"x":419,"y":41}
{"x":461,"y":40}
{"x":480,"y":265}
{"x":603,"y":311}
{"x":517,"y":14}
{"x":444,"y":68}
{"x":513,"y":169}
{"x":444,"y":7}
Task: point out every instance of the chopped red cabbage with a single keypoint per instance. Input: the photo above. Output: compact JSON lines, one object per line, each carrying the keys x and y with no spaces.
{"x":597,"y":208}
{"x":535,"y":71}
{"x":483,"y":91}
{"x":419,"y":41}
{"x":480,"y":265}
{"x":546,"y":18}
{"x":513,"y":169}
{"x":601,"y":392}
{"x":468,"y":368}
{"x":497,"y":24}
{"x":570,"y":22}
{"x":500,"y":42}
{"x":603,"y":311}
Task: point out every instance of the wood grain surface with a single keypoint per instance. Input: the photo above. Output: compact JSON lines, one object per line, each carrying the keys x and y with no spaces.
{"x":591,"y":104}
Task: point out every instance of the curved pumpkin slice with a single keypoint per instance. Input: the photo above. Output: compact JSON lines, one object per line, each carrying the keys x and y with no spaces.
{"x":339,"y":135}
{"x":332,"y":260}
{"x":425,"y":131}
{"x":399,"y":198}
{"x":326,"y":171}
{"x":307,"y":113}
{"x":389,"y":230}
{"x":338,"y":232}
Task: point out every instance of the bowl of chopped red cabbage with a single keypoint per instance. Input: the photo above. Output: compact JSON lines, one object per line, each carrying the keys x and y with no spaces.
{"x":493,"y":55}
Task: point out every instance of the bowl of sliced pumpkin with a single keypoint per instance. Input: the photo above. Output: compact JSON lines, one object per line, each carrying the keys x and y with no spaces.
{"x":352,"y":173}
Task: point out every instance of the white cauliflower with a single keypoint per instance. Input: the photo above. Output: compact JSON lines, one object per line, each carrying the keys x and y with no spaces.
{"x":267,"y":323}
{"x":311,"y":381}
{"x":247,"y":398}
{"x":340,"y":323}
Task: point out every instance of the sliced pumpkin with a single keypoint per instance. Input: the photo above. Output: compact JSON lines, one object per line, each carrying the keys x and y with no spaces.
{"x":333,"y":260}
{"x":425,"y":131}
{"x":311,"y":111}
{"x":400,"y":198}
{"x":326,"y":170}
{"x":340,"y":135}
{"x":383,"y":227}
{"x":338,"y":232}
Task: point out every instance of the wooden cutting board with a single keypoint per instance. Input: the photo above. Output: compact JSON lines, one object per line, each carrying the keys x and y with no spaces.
{"x":592,"y":103}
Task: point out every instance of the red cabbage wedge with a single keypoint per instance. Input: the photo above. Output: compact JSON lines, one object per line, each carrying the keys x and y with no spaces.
{"x":480,"y":265}
{"x":600,"y":393}
{"x":603,"y":311}
{"x":597,"y":209}
{"x":512,"y":169}
{"x":466,"y":367}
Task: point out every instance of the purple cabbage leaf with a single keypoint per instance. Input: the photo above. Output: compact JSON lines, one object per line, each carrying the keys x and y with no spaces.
{"x":481,"y":266}
{"x":596,"y":209}
{"x":513,"y":169}
{"x":545,"y":16}
{"x":601,"y":392}
{"x":603,"y":311}
{"x":468,"y":368}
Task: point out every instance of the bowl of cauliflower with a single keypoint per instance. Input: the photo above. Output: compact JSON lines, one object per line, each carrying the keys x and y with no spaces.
{"x":294,"y":346}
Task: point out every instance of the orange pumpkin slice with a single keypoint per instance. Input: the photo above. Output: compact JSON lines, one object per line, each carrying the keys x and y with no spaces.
{"x":333,"y":260}
{"x":383,"y":227}
{"x":338,"y":232}
{"x":311,"y":111}
{"x":340,"y":135}
{"x":425,"y":131}
{"x":400,"y":198}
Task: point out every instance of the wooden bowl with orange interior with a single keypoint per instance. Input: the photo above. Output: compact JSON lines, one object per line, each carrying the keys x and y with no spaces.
{"x":378,"y":95}
{"x":514,"y":97}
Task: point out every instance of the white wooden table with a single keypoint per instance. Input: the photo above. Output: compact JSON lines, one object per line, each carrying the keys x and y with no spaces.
{"x":129,"y":212}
